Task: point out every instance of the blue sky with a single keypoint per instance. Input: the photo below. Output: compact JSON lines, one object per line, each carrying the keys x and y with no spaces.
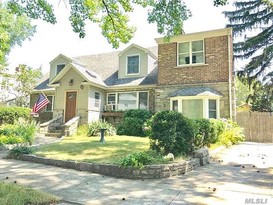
{"x":51,"y":40}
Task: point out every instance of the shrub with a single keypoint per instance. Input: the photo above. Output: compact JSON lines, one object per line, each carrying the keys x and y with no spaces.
{"x":138,"y":159}
{"x":23,"y":130}
{"x":83,"y":130}
{"x":10,"y":114}
{"x":216,"y":129}
{"x":16,"y":151}
{"x":133,"y":122}
{"x":26,"y":130}
{"x":233,"y":134}
{"x":94,"y":128}
{"x":171,"y":132}
{"x":202,"y":137}
{"x":10,"y":139}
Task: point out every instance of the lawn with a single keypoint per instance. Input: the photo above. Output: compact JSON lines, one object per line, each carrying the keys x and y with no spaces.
{"x":17,"y":195}
{"x":89,"y":149}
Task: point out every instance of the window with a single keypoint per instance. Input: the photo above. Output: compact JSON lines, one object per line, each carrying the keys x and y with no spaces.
{"x":195,"y":107}
{"x":97,"y":99}
{"x":192,"y":108}
{"x":49,"y":106}
{"x":143,"y":100}
{"x":191,"y":52}
{"x":212,"y":109}
{"x":132,"y":64}
{"x":175,"y":105}
{"x":125,"y":101}
{"x":59,"y":68}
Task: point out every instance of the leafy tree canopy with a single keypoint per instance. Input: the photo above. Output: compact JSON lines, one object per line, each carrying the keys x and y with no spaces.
{"x":111,"y":15}
{"x":14,"y":29}
{"x":21,"y":84}
{"x":253,"y":22}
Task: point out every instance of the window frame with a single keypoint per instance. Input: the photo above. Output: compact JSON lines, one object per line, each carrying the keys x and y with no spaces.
{"x":97,"y":102}
{"x":115,"y":105}
{"x":205,"y":100}
{"x":127,"y":61}
{"x":61,"y":64}
{"x":51,"y":104}
{"x":190,"y":53}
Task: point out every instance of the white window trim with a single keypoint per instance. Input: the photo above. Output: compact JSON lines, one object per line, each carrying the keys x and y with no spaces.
{"x":137,"y":95}
{"x":205,"y":100}
{"x":52,"y":103}
{"x":57,"y":67}
{"x":99,"y":101}
{"x":130,"y":74}
{"x":190,"y":53}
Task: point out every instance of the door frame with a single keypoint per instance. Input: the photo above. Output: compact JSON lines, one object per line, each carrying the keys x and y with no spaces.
{"x":65,"y":94}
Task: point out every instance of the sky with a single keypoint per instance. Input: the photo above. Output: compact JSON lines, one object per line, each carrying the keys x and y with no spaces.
{"x":51,"y":40}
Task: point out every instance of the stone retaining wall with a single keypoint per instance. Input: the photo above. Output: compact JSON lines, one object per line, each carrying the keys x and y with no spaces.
{"x":148,"y":172}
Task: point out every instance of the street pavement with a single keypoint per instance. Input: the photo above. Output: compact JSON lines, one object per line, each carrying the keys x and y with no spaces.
{"x":242,"y":174}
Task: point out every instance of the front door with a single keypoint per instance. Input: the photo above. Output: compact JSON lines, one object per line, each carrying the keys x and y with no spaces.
{"x":70,"y":105}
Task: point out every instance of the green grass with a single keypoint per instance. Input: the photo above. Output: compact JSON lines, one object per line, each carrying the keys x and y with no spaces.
{"x":13,"y":194}
{"x":89,"y":149}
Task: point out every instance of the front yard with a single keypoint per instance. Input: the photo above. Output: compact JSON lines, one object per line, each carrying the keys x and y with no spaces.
{"x":89,"y":149}
{"x":17,"y":195}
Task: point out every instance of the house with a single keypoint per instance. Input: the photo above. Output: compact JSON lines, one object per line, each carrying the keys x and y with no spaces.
{"x":190,"y":73}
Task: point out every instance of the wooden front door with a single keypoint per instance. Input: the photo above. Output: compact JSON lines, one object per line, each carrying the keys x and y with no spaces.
{"x":70,"y":105}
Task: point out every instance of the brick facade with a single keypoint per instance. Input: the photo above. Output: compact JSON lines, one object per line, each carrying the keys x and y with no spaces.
{"x":215,"y":69}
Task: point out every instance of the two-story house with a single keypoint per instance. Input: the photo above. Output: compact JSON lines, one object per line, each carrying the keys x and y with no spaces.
{"x":190,"y":73}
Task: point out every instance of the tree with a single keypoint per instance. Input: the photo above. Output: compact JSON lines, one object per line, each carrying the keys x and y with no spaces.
{"x":111,"y":15}
{"x":253,"y":20}
{"x":13,"y":31}
{"x":242,"y":92}
{"x":21,"y":84}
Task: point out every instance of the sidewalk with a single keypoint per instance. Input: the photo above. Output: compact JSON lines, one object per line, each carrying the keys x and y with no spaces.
{"x":232,"y":181}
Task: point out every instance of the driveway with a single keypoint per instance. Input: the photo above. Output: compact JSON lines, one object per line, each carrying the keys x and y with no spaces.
{"x":242,"y":174}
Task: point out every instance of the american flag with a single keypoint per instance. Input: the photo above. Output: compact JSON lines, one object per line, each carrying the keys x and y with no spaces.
{"x":40,"y":103}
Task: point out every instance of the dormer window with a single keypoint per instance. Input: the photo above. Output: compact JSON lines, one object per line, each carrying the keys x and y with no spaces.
{"x":59,"y":68}
{"x":133,"y":64}
{"x":191,"y":53}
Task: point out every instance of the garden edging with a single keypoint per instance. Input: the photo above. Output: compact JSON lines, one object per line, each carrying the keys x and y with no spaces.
{"x":201,"y":157}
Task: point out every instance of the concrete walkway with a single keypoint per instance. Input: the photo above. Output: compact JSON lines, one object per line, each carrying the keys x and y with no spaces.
{"x":242,"y":174}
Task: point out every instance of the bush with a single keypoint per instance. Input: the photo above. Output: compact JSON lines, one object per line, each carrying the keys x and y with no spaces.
{"x":202,"y":137}
{"x":133,"y":123}
{"x":94,"y":128}
{"x":171,"y":132}
{"x":138,"y":159}
{"x":216,"y":129}
{"x":21,"y":131}
{"x":9,"y":115}
{"x":16,"y":151}
{"x":233,"y":134}
{"x":10,"y":139}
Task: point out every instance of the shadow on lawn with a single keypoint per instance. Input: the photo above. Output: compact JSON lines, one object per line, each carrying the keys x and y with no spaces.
{"x":91,"y":150}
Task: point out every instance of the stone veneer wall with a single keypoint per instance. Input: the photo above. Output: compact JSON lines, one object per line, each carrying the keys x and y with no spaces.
{"x":148,"y":172}
{"x":162,"y":100}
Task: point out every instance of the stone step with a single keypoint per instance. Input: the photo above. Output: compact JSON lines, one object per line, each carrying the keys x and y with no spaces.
{"x":54,"y":134}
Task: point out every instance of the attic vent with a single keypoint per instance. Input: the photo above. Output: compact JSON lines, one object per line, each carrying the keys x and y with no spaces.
{"x":90,"y":74}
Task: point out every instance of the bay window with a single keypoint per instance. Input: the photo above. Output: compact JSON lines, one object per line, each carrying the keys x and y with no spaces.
{"x":196,"y":107}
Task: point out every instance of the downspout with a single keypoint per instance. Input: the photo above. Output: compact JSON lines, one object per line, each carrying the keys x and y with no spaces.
{"x":230,"y":73}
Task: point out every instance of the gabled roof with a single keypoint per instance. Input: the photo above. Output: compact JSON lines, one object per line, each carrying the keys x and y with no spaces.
{"x":59,"y":56}
{"x":102,"y":70}
{"x":89,"y":76}
{"x":140,"y":48}
{"x":196,"y":91}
